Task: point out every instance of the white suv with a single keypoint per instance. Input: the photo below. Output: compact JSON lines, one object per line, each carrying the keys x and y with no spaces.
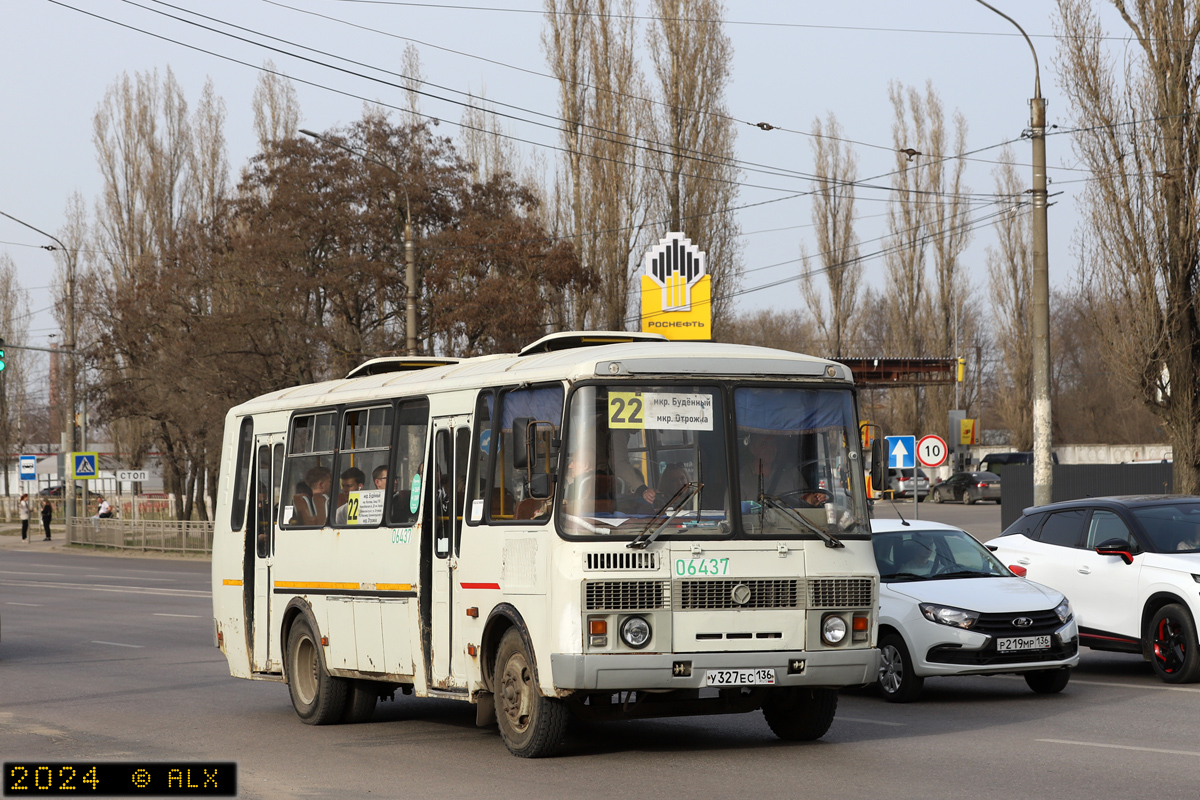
{"x":1131,"y":566}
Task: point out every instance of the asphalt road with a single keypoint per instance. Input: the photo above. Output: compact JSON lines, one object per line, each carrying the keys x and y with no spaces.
{"x":111,"y":658}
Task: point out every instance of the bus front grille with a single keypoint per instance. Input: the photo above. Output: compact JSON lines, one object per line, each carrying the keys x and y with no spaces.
{"x":626,"y":595}
{"x":839,"y":592}
{"x":628,"y":560}
{"x":708,"y":595}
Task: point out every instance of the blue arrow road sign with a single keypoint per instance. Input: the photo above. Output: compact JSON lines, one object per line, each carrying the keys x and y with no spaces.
{"x":902,"y":452}
{"x":85,"y":465}
{"x":29,"y":468}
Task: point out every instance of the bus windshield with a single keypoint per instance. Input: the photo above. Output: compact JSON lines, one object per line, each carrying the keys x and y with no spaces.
{"x":798,"y":457}
{"x":656,"y":455}
{"x":637,"y":453}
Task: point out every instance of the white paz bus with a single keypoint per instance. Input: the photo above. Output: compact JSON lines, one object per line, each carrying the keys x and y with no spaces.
{"x":605,"y":525}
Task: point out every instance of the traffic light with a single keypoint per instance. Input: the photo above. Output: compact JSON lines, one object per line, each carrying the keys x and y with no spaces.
{"x":1,"y":355}
{"x":962,"y":367}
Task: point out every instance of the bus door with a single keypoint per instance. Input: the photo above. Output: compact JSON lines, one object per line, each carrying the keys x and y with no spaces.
{"x":447,"y":490}
{"x":268,"y":472}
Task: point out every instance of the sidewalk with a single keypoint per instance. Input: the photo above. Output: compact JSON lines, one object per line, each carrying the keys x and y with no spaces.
{"x":10,"y":539}
{"x":10,"y":536}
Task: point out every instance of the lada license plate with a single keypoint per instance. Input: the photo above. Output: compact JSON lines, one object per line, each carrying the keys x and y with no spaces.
{"x":739,"y":677}
{"x":1022,"y":643}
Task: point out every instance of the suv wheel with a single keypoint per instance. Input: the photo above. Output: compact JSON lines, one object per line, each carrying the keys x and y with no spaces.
{"x":1173,"y":647}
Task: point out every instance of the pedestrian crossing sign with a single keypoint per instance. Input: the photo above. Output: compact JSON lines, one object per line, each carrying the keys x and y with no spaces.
{"x":84,"y":466}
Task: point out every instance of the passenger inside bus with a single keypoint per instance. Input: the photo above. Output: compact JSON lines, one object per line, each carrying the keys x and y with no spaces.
{"x":313,"y":508}
{"x":353,"y":480}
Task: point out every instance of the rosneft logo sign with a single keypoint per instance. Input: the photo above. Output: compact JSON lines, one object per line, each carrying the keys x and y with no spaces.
{"x":676,"y":290}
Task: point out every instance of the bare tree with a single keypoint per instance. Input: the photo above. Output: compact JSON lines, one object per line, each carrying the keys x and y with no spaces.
{"x":692,"y":151}
{"x":1010,"y":274}
{"x":14,"y":378}
{"x":1139,"y":241}
{"x":276,"y":107}
{"x":928,"y":222}
{"x":836,"y":170}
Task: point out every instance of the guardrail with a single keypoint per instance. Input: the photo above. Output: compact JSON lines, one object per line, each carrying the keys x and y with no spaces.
{"x":161,"y":535}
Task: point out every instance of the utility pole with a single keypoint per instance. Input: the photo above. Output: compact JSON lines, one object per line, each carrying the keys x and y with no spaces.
{"x":410,"y":258}
{"x":68,"y":433}
{"x":1043,"y":471}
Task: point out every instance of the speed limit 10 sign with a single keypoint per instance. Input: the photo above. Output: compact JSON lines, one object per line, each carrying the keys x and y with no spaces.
{"x":932,"y":451}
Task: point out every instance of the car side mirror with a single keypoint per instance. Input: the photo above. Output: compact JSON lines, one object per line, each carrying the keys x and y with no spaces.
{"x":1116,"y":547}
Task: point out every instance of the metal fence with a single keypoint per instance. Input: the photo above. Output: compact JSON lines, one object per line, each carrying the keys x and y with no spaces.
{"x":162,"y":535}
{"x":1077,"y":481}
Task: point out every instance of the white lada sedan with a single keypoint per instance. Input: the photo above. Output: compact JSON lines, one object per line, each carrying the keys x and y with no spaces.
{"x":949,"y":607}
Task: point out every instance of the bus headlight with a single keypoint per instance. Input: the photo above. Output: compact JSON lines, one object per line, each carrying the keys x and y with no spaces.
{"x":833,"y":629}
{"x":635,"y":632}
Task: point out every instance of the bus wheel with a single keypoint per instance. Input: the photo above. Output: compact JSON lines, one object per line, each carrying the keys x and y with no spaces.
{"x":318,"y":698}
{"x":532,"y":726}
{"x":361,"y":697}
{"x":800,"y":715}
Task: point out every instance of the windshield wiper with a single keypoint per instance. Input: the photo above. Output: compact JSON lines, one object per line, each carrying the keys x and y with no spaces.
{"x":788,"y":511}
{"x":964,"y":573}
{"x":902,"y":575}
{"x":683,"y":495}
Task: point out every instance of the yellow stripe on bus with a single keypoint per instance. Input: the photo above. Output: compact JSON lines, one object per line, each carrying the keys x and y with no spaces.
{"x":313,"y":585}
{"x":394,"y":587}
{"x":231,"y":582}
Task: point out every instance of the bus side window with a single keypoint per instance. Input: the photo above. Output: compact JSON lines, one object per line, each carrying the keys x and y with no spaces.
{"x":366,"y":443}
{"x":501,"y":504}
{"x":241,"y":474}
{"x":540,"y":404}
{"x":308,"y":471}
{"x":404,"y":476}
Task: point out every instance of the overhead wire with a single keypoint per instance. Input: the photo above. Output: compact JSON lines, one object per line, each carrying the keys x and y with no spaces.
{"x":625,"y":95}
{"x":704,"y":158}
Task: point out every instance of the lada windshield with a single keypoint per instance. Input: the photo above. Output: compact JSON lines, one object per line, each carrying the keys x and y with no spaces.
{"x":639,"y":455}
{"x":653,"y":460}
{"x":798,"y":457}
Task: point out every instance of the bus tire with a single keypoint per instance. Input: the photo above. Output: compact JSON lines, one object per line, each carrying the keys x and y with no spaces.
{"x":800,"y":715}
{"x":531,"y":725}
{"x":361,"y":697}
{"x":318,"y":697}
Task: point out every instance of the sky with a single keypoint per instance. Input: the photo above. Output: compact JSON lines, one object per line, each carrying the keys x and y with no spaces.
{"x":793,"y":60}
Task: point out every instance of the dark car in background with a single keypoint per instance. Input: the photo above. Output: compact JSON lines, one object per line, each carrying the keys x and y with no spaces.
{"x":967,"y":487}
{"x":995,"y":462}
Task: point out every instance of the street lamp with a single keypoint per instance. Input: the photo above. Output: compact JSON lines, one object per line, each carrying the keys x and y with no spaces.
{"x":1043,"y":473}
{"x":410,"y":266}
{"x":68,"y":433}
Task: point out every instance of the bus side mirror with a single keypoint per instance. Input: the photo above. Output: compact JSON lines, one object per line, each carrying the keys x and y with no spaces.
{"x":540,"y":485}
{"x":520,"y":443}
{"x":875,"y":434}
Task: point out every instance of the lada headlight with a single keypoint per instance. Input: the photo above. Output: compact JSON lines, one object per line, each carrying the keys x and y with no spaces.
{"x":1063,"y":610}
{"x":948,"y":615}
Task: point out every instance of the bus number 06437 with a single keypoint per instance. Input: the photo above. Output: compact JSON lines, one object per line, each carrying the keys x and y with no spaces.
{"x":701,"y":566}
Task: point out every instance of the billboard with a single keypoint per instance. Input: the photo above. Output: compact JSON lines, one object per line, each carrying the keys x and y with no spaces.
{"x":676,"y":290}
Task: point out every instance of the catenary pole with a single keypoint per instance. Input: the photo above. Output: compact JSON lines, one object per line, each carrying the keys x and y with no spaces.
{"x":1043,"y":472}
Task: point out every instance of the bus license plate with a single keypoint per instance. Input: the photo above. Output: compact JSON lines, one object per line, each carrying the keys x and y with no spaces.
{"x":1022,"y":643}
{"x":739,"y":677}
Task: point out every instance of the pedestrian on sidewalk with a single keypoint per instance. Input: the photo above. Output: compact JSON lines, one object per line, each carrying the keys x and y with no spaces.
{"x":47,"y":513}
{"x":23,"y":508}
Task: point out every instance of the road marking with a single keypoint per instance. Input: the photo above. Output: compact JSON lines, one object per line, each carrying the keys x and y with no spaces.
{"x":1122,"y":747}
{"x":98,"y":587}
{"x":126,"y":577}
{"x":118,"y":644}
{"x":1136,"y":686}
{"x":192,"y":616}
{"x":840,"y":718}
{"x":31,"y":605}
{"x":27,"y":572}
{"x":1077,"y":682}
